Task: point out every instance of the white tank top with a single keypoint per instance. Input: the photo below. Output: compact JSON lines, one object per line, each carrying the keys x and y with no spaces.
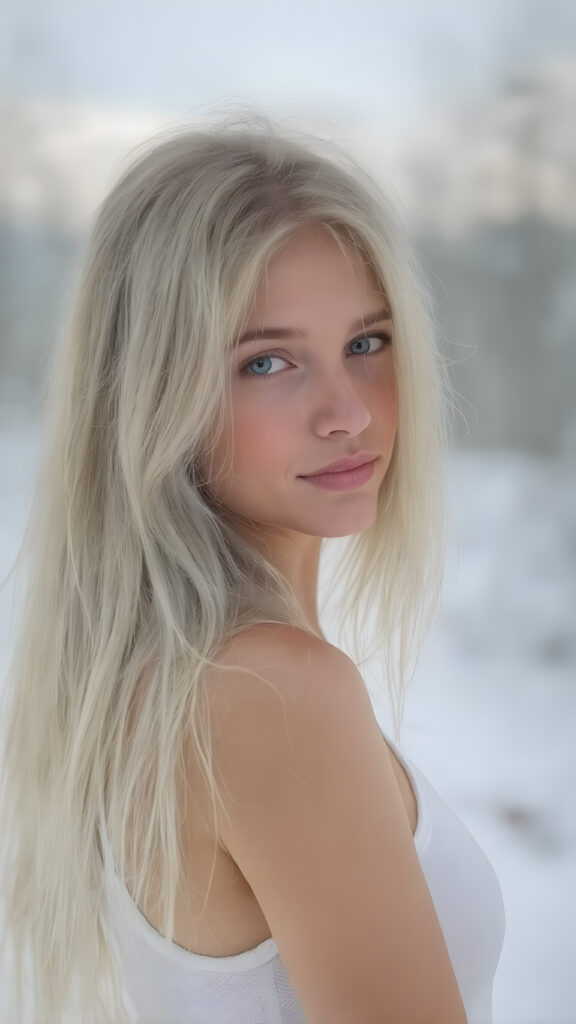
{"x":168,"y":984}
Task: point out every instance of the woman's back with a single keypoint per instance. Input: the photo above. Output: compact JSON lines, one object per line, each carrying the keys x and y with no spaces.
{"x":376,"y":933}
{"x":227,"y":916}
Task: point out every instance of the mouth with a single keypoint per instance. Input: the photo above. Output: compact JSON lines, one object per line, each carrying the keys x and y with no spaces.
{"x":343,"y":465}
{"x":343,"y":479}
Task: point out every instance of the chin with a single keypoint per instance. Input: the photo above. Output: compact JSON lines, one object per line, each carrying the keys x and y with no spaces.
{"x":346,"y":526}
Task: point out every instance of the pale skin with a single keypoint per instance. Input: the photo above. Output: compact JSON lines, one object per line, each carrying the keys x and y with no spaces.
{"x":317,"y":399}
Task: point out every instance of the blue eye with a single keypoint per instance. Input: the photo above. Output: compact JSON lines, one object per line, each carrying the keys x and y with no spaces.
{"x":264,"y":360}
{"x":266,"y":357}
{"x":366,"y":338}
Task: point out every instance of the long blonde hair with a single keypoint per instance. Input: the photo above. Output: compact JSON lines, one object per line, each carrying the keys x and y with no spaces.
{"x":134,"y":578}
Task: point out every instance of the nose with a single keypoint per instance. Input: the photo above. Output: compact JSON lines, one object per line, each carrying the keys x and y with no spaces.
{"x":339,"y":407}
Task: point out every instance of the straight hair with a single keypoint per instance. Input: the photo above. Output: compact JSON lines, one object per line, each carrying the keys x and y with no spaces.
{"x":134,"y":578}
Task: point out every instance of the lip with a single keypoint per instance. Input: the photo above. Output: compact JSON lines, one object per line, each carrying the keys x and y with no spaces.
{"x":341,"y":465}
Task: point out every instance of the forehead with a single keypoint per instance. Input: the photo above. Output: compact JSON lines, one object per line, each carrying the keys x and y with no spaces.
{"x":312,"y":269}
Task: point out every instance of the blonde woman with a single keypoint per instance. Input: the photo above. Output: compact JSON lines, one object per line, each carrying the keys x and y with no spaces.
{"x":203,"y":821}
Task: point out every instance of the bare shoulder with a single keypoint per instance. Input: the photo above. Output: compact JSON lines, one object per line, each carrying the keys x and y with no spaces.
{"x":298,"y":667}
{"x":315,"y":822}
{"x":275,"y":695}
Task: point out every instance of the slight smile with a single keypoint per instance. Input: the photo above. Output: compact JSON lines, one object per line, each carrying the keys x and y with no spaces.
{"x":343,"y":480}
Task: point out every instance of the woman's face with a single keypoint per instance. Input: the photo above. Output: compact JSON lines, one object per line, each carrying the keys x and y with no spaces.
{"x":312,"y":387}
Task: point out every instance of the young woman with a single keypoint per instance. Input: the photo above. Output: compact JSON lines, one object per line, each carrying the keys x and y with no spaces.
{"x":199,"y":803}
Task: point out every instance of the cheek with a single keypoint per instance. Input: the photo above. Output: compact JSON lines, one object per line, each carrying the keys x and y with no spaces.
{"x":389,"y":403}
{"x":256,"y":439}
{"x":260,"y":439}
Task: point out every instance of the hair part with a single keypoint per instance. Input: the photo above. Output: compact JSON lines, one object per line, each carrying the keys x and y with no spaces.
{"x":134,"y":578}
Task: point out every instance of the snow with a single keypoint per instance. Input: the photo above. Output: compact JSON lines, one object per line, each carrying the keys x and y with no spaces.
{"x":491,"y":713}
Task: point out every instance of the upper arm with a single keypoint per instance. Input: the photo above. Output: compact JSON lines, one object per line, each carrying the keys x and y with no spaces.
{"x":315,"y":822}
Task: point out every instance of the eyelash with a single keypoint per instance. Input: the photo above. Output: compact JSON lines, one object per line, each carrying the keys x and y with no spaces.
{"x":264,"y":355}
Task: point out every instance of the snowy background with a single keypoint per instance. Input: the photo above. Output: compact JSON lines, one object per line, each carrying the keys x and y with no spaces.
{"x":467,"y":112}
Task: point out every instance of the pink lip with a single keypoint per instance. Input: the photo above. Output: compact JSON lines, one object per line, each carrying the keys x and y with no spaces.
{"x":344,"y":480}
{"x":342,"y":465}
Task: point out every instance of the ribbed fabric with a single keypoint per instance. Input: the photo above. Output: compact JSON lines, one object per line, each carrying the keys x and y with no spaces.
{"x":167,"y":984}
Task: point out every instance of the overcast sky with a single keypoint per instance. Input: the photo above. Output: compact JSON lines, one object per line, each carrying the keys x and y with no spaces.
{"x":397,"y":58}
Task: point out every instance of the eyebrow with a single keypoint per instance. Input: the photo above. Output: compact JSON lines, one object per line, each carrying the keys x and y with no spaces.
{"x":283,"y":333}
